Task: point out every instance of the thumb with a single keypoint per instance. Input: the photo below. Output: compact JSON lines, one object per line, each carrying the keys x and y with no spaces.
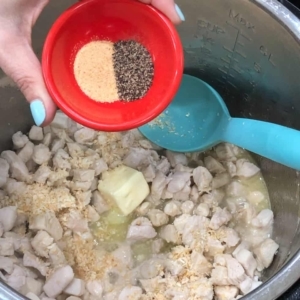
{"x":19,"y":62}
{"x":169,"y":8}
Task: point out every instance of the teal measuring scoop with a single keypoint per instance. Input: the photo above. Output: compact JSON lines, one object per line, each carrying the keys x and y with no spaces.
{"x":198,"y":119}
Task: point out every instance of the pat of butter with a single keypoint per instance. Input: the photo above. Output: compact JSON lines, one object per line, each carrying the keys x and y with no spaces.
{"x":124,"y":186}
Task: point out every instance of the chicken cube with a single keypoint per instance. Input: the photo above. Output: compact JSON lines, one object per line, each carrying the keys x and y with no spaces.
{"x":202,"y":179}
{"x":41,"y":242}
{"x":42,"y":174}
{"x":41,"y":154}
{"x":213,"y":166}
{"x":99,"y":203}
{"x":95,"y":288}
{"x":47,"y":139}
{"x":61,"y":160}
{"x":6,"y":264}
{"x":30,"y":260}
{"x":36,"y":133}
{"x":163,"y":166}
{"x":169,"y":234}
{"x":202,"y":210}
{"x":229,"y":236}
{"x":57,"y":144}
{"x":225,"y":152}
{"x":246,"y":259}
{"x":19,"y":140}
{"x":200,"y":265}
{"x":48,"y":222}
{"x":157,"y":217}
{"x":32,"y":285}
{"x":219,"y":276}
{"x":56,"y":256}
{"x":17,"y":278}
{"x":265,"y":253}
{"x":172,"y":209}
{"x":26,"y":153}
{"x":236,"y":273}
{"x":263,"y":219}
{"x":158,"y":185}
{"x":124,"y":255}
{"x":178,"y":181}
{"x":99,"y":166}
{"x":84,"y":135}
{"x":75,"y":288}
{"x":83,"y":175}
{"x":58,"y":281}
{"x":130,"y":293}
{"x":219,"y":218}
{"x":8,"y":217}
{"x":187,"y":207}
{"x":176,"y":158}
{"x":141,"y":229}
{"x":149,"y":173}
{"x":226,"y":292}
{"x":244,"y":168}
{"x":6,"y":246}
{"x":220,"y":180}
{"x":61,"y":121}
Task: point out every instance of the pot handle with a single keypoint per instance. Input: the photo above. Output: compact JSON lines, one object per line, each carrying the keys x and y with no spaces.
{"x":276,"y":142}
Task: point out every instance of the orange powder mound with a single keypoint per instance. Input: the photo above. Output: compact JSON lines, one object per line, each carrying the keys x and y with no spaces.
{"x":94,"y":71}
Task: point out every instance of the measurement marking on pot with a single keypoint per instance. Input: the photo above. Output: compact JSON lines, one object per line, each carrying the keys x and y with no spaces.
{"x":263,"y":50}
{"x":237,"y":17}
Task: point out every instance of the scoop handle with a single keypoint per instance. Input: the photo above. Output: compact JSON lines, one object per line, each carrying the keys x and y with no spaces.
{"x":276,"y":142}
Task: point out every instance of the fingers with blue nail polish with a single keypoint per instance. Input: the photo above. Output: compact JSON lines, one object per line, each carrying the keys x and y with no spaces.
{"x":38,"y":112}
{"x":179,"y":12}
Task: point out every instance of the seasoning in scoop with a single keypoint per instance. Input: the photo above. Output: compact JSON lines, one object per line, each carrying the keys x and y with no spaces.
{"x":107,"y":72}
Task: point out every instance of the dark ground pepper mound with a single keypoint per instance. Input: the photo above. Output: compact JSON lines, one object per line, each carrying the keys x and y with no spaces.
{"x":133,"y":68}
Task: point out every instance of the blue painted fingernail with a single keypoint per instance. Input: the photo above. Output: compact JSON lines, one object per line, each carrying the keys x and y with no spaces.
{"x":179,"y":12}
{"x":38,"y":112}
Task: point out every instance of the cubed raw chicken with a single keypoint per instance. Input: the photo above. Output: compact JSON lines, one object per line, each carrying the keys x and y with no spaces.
{"x":140,"y":229}
{"x":172,"y":209}
{"x":246,"y":259}
{"x":19,"y":140}
{"x":229,"y":236}
{"x":99,"y":203}
{"x":58,"y":281}
{"x":157,"y":217}
{"x":225,"y":152}
{"x":213,"y":166}
{"x":41,"y":175}
{"x":158,"y":185}
{"x":47,"y":221}
{"x":157,"y":245}
{"x":8,"y":217}
{"x":36,"y":133}
{"x":41,"y":242}
{"x":130,"y":293}
{"x":75,"y":221}
{"x":84,"y":135}
{"x":187,"y":207}
{"x":124,"y":255}
{"x":163,"y":166}
{"x":202,"y":210}
{"x":7,"y":264}
{"x":138,"y":157}
{"x":214,"y":247}
{"x":226,"y":292}
{"x":178,"y":181}
{"x":17,"y":278}
{"x":83,"y":175}
{"x":56,"y":256}
{"x":144,"y":208}
{"x":95,"y":288}
{"x":151,"y":268}
{"x":236,"y":189}
{"x":169,"y":234}
{"x":32,"y":285}
{"x":231,"y":168}
{"x":199,"y":264}
{"x":202,"y":179}
{"x":236,"y":272}
{"x":176,"y":158}
{"x":219,"y":276}
{"x":219,"y":218}
{"x":47,"y":139}
{"x":4,"y":168}
{"x":6,"y":246}
{"x":220,"y":180}
{"x":61,"y":160}
{"x":149,"y":172}
{"x":61,"y":121}
{"x":30,"y":260}
{"x":41,"y":154}
{"x":244,"y":168}
{"x":26,"y":153}
{"x":75,"y":288}
{"x":57,"y":144}
{"x":265,"y":253}
{"x":263,"y":219}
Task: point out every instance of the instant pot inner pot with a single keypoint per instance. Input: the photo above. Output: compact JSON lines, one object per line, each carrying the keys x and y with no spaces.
{"x":253,"y":60}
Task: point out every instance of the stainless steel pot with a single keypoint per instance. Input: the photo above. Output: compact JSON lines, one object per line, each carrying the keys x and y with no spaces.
{"x":249,"y":51}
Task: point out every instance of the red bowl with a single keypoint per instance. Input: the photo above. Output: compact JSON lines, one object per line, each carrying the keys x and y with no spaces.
{"x":112,"y":20}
